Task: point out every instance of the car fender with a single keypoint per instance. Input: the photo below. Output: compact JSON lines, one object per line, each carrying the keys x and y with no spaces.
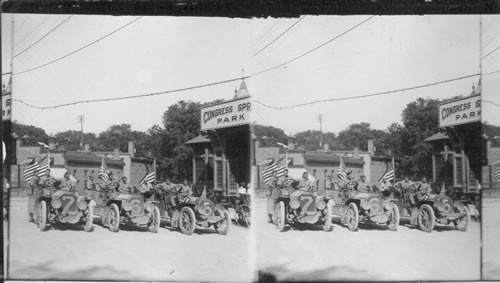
{"x":117,"y":202}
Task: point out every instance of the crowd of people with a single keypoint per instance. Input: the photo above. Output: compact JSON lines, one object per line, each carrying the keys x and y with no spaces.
{"x":384,"y":187}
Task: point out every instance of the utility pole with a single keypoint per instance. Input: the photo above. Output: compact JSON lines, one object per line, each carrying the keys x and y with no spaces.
{"x":320,"y":120}
{"x":81,"y":119}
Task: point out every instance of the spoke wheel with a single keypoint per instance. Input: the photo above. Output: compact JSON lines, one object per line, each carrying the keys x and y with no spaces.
{"x":244,"y":215}
{"x":462,"y":223}
{"x":394,"y":218}
{"x":42,"y":216}
{"x":223,"y":226}
{"x":280,"y":217}
{"x":328,"y":217}
{"x":426,"y":218}
{"x":187,"y":220}
{"x":154,"y":225}
{"x":114,"y":218}
{"x":89,"y":221}
{"x":352,"y":217}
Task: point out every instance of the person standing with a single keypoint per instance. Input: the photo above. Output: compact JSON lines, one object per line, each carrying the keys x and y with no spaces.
{"x":272,"y":182}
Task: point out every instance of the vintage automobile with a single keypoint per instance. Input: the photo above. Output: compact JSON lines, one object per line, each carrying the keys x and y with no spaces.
{"x":426,"y":210}
{"x":186,"y":212}
{"x":115,"y":208}
{"x":292,"y":205}
{"x":356,"y":207}
{"x":50,"y":205}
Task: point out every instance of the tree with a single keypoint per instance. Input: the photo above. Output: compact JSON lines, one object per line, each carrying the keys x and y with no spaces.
{"x":269,"y":135}
{"x":118,"y":136}
{"x":420,"y":120}
{"x":70,"y":140}
{"x":311,"y":139}
{"x":356,"y":135}
{"x":29,"y":134}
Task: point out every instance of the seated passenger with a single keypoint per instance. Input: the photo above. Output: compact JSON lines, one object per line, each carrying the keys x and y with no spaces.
{"x":304,"y":184}
{"x":67,"y":184}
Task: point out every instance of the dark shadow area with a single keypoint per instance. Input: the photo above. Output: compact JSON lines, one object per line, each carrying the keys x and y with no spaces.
{"x":280,"y":273}
{"x":46,"y":272}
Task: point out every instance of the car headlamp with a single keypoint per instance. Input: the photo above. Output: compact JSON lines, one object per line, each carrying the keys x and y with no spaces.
{"x":127,"y":205}
{"x":82,"y":205}
{"x":320,"y":205}
{"x":56,"y":203}
{"x":388,"y":205}
{"x":294,"y":204}
{"x":365,"y":204}
{"x":150,"y":207}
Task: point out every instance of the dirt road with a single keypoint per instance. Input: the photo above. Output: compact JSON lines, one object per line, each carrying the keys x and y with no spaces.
{"x":371,"y":253}
{"x":130,"y":254}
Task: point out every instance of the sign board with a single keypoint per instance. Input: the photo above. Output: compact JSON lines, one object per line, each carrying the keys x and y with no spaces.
{"x":6,"y":106}
{"x":461,"y":111}
{"x":226,"y":114}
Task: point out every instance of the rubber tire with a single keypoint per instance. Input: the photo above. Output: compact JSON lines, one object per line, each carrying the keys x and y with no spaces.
{"x":393,"y":223}
{"x":243,"y":211}
{"x":226,"y":221}
{"x":352,"y":217}
{"x":463,"y":227}
{"x":155,"y":220}
{"x":90,"y":219}
{"x":327,"y":226}
{"x":186,"y":210}
{"x":114,"y":218}
{"x":280,"y":218}
{"x":42,"y":216}
{"x":425,"y":208}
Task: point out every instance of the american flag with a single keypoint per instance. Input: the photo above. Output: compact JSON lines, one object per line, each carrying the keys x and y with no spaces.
{"x":497,"y":174}
{"x":342,"y":174}
{"x":103,"y":172}
{"x":270,"y":168}
{"x":388,"y":175}
{"x":43,"y":170}
{"x":148,"y":178}
{"x":29,"y":171}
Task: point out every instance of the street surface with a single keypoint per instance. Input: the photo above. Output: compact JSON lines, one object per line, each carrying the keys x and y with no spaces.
{"x":131,"y":254}
{"x":491,"y":239}
{"x":371,"y":253}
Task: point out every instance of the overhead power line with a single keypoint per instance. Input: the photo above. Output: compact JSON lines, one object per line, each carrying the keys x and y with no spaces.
{"x":289,"y":28}
{"x":79,"y":49}
{"x":129,"y":97}
{"x":491,"y":52}
{"x":314,"y":49}
{"x":366,"y":95}
{"x":60,"y":24}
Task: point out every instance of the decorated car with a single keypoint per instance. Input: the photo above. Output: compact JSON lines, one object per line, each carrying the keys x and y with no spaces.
{"x":186,"y":212}
{"x":356,"y":207}
{"x":289,"y":205}
{"x":50,"y":205}
{"x":425,"y":210}
{"x":239,"y":208}
{"x":115,"y":208}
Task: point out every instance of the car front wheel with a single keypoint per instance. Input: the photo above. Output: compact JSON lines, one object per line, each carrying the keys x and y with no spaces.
{"x":154,"y":225}
{"x":352,"y":217}
{"x":42,"y":216}
{"x":114,"y":218}
{"x":187,"y":220}
{"x":462,"y":223}
{"x":223,"y":226}
{"x":426,"y":218}
{"x":280,"y":217}
{"x":394,"y":219}
{"x":328,"y":217}
{"x":90,"y":219}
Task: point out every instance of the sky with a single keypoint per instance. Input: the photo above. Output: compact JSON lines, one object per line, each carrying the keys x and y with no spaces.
{"x":156,"y":54}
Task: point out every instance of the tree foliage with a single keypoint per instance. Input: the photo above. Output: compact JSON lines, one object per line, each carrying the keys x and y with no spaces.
{"x":70,"y":140}
{"x":269,"y":135}
{"x":29,"y":134}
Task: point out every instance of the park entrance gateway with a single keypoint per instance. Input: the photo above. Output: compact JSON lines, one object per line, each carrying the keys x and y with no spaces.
{"x":221,"y":159}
